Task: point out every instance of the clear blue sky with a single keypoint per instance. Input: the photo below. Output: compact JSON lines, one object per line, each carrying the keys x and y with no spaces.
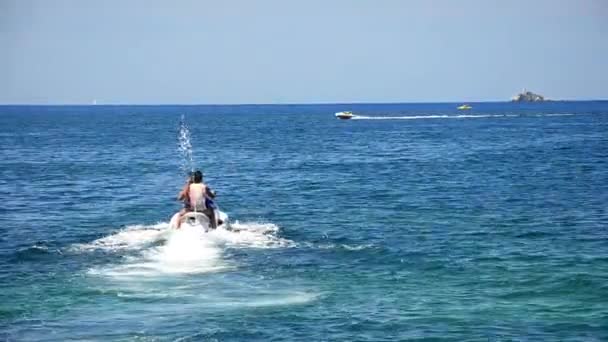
{"x":288,"y":51}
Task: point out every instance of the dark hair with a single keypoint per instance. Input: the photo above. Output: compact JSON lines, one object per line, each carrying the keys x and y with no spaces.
{"x":197,"y":176}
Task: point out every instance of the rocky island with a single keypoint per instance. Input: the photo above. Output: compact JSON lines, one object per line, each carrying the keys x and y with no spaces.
{"x":528,"y":96}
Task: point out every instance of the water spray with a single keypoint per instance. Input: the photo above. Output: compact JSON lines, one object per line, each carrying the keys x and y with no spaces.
{"x":185,"y":148}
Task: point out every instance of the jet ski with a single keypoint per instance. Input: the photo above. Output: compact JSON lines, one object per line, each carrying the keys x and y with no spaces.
{"x":200,"y":219}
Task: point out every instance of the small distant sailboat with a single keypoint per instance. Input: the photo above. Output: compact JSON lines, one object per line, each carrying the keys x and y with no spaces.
{"x":345,"y":115}
{"x":94,"y":102}
{"x":464,"y":107}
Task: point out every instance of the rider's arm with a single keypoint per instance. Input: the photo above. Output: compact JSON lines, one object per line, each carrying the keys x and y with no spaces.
{"x":184,"y":193}
{"x":210,"y":193}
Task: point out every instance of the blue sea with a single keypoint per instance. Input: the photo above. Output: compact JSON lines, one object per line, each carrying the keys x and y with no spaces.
{"x":409,"y":222}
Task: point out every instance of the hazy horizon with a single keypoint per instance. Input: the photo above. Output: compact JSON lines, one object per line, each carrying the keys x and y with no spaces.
{"x":288,"y":104}
{"x":136,"y":52}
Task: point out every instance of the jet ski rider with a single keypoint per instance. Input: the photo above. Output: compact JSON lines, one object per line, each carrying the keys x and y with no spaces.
{"x":197,"y":196}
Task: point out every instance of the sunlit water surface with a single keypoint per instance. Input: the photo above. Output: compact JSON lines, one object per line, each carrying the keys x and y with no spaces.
{"x":410,"y":221}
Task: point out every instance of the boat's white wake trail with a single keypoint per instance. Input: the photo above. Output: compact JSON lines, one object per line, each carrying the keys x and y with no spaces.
{"x":418,"y":117}
{"x":462,"y":116}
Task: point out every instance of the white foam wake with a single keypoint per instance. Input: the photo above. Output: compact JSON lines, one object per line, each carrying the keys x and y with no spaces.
{"x":161,"y":250}
{"x":131,"y":237}
{"x":462,"y":116}
{"x":155,"y":263}
{"x":417,"y":117}
{"x":250,"y":235}
{"x":185,"y":251}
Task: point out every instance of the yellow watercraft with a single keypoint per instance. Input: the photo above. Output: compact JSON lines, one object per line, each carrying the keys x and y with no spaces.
{"x":464,"y":107}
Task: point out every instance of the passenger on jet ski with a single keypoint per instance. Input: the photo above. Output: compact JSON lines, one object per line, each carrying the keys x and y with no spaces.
{"x":197,"y":196}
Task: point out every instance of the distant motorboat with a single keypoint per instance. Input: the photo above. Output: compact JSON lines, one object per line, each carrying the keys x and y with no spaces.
{"x":345,"y":115}
{"x":464,"y":107}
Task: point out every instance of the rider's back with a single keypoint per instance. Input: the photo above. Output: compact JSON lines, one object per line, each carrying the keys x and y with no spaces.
{"x":196,"y":194}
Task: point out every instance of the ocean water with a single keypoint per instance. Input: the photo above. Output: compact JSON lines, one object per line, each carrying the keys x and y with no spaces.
{"x":412,"y":222}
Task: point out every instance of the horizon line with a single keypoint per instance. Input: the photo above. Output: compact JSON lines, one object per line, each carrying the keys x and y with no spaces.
{"x":281,"y":104}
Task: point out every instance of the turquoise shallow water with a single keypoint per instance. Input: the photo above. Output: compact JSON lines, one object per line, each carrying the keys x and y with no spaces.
{"x":416,"y":221}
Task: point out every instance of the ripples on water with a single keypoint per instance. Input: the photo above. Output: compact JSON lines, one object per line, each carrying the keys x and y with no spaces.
{"x":413,"y":221}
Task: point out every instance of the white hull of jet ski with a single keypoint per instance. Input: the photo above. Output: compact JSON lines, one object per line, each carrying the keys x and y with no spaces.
{"x":198,"y":219}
